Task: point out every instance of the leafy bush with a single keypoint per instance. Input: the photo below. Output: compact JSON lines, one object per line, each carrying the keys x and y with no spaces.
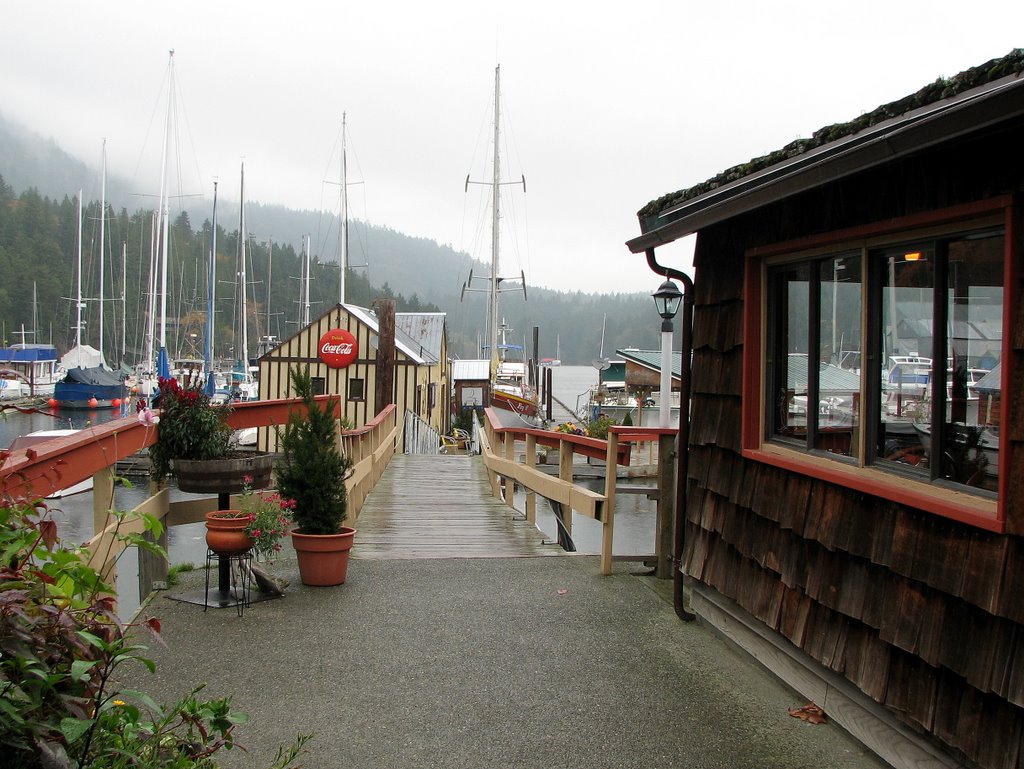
{"x":60,"y":645}
{"x":189,"y":427}
{"x":598,"y":428}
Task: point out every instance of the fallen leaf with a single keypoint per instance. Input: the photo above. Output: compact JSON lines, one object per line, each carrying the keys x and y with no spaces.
{"x":810,"y":713}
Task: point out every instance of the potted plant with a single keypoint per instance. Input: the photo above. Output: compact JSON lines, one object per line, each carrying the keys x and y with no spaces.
{"x":312,"y":472}
{"x":194,"y":444}
{"x":269,"y":517}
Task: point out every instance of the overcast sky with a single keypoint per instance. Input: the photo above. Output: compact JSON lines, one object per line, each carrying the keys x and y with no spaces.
{"x":605,"y":105}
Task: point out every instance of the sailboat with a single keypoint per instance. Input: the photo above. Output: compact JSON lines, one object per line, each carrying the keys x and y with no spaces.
{"x":244,"y":386}
{"x":511,"y":392}
{"x":88,"y":384}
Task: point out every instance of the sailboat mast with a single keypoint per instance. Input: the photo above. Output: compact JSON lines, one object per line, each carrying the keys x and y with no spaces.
{"x":270,"y":275}
{"x":242,"y":308}
{"x":124,"y":301}
{"x":211,"y":289}
{"x":163,"y":365}
{"x":103,"y":220}
{"x":343,"y":225}
{"x":305,"y":286}
{"x":78,"y":294}
{"x":492,"y":304}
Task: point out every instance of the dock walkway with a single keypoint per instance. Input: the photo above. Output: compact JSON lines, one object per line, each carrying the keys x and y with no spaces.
{"x":428,"y":659}
{"x":441,"y":507}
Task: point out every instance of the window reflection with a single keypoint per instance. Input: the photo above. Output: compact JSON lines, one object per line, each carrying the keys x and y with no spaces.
{"x":928,"y":374}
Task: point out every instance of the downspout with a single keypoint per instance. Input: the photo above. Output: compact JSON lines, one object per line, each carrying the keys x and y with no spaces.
{"x":683,"y":456}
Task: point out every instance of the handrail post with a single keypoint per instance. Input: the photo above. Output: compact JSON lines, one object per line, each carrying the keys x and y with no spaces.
{"x":666,"y":506}
{"x":509,"y":439}
{"x":608,"y":518}
{"x":531,"y":462}
{"x":565,"y":457}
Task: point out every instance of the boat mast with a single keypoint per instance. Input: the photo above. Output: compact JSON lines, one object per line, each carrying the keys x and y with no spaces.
{"x":124,"y":301}
{"x":492,"y":304}
{"x":211,"y":289}
{"x":270,"y":274}
{"x":243,"y":323}
{"x":343,"y":224}
{"x":103,"y":220}
{"x":78,"y":295}
{"x":305,"y":287}
{"x":163,"y":365}
{"x":494,"y":282}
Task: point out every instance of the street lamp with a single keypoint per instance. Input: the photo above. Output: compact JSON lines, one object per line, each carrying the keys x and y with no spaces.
{"x":667,"y":299}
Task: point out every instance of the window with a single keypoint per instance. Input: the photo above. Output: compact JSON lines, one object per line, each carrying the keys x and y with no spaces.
{"x":319,"y":385}
{"x":356,"y":389}
{"x":886,"y":356}
{"x":432,"y":395}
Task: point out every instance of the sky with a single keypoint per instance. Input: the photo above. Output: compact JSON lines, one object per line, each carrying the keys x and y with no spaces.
{"x":605,"y":106}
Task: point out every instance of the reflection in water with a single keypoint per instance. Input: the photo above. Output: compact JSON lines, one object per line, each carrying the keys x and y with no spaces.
{"x":635,"y":521}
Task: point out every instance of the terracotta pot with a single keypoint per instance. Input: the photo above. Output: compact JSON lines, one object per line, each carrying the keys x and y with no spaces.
{"x":323,"y":558}
{"x":223,"y":476}
{"x":225,"y":533}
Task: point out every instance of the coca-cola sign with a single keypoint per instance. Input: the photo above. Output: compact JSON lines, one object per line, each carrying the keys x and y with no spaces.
{"x":338,"y":348}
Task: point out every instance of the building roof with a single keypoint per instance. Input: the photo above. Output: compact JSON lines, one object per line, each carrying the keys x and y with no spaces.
{"x":471,"y":369}
{"x":652,"y":359}
{"x":403,"y":341}
{"x":975,"y":99}
{"x":423,"y":329}
{"x":831,"y":378}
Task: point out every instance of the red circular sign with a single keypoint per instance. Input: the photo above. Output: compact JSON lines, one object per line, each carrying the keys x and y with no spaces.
{"x":338,"y":348}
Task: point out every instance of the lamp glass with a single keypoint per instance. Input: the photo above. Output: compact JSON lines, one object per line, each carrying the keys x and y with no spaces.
{"x":667,"y":299}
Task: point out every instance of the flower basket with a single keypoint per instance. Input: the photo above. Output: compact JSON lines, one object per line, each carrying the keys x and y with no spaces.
{"x":224,"y":476}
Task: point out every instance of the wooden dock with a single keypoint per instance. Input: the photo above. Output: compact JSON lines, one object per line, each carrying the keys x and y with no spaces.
{"x":441,"y":507}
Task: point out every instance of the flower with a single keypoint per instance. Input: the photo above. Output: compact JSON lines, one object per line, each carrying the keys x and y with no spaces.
{"x":189,"y":426}
{"x":270,"y":519}
{"x":148,"y":417}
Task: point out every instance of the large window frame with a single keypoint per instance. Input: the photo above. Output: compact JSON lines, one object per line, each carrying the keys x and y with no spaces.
{"x":858,"y":469}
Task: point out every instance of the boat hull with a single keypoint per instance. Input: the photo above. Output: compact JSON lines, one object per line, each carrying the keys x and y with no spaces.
{"x":74,"y":395}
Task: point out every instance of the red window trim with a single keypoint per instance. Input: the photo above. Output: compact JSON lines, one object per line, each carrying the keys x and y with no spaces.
{"x":966,"y":508}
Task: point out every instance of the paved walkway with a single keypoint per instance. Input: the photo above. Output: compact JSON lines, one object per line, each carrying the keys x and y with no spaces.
{"x":506,"y":662}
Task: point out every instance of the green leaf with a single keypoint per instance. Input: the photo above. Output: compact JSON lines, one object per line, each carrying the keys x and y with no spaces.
{"x":73,"y":728}
{"x":80,"y":669}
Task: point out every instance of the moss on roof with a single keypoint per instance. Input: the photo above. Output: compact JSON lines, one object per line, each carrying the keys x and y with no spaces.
{"x":943,"y":88}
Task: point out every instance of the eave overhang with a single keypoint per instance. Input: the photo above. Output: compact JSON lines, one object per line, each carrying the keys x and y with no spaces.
{"x":964,"y":114}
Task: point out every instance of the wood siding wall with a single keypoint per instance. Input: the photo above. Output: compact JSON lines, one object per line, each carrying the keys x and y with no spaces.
{"x":923,"y":614}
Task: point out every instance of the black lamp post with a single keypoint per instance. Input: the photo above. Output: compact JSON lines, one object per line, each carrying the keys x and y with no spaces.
{"x":667,"y":299}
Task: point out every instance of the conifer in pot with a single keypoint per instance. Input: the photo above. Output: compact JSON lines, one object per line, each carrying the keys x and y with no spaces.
{"x":311,"y":469}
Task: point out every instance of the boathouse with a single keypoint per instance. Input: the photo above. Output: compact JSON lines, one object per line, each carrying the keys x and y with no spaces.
{"x":341,"y":348}
{"x":863,"y":534}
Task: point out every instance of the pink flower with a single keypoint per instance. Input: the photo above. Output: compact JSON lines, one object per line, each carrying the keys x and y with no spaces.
{"x":148,"y":418}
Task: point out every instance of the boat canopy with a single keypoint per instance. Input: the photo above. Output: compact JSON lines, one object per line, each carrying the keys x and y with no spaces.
{"x":98,"y":377}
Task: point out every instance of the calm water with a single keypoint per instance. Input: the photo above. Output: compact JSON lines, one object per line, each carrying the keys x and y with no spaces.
{"x":634,"y":513}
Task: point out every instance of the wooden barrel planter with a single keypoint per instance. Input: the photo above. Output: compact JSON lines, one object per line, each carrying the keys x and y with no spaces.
{"x":224,"y":476}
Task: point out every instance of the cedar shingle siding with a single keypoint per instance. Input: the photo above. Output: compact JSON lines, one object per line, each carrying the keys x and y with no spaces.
{"x":922,"y":613}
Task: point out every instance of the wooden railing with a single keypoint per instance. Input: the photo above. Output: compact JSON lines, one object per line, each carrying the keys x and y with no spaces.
{"x":498,"y":446}
{"x":95,"y":451}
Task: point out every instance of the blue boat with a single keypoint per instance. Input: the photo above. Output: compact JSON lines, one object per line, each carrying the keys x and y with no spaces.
{"x":94,"y":387}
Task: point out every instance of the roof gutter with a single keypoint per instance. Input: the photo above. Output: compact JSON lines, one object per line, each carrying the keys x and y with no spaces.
{"x":683,"y":449}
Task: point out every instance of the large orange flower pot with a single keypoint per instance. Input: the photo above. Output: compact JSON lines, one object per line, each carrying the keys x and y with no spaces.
{"x":323,"y":558}
{"x":225,"y":532}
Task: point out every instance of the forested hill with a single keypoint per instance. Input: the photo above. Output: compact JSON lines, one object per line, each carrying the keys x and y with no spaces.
{"x":37,"y":247}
